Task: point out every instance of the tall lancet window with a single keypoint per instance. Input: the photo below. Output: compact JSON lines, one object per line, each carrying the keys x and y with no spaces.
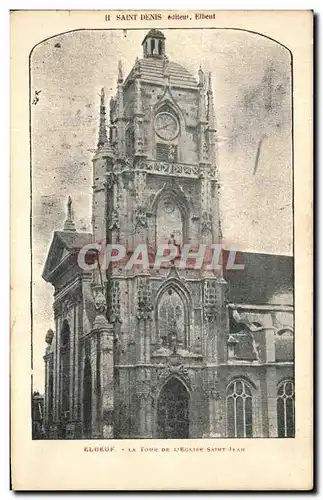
{"x":172,"y":320}
{"x":130,"y":141}
{"x":65,"y":349}
{"x":239,"y":410}
{"x":285,"y":409}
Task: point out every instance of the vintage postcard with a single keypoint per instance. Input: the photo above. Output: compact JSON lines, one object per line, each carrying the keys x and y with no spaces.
{"x":161,"y":236}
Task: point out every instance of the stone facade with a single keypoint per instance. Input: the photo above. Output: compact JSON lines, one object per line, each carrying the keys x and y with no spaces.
{"x":162,"y":353}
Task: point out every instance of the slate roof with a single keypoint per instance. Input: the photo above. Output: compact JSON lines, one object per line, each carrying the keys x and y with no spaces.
{"x":71,"y":241}
{"x":153,"y":33}
{"x":74,"y":239}
{"x":152,"y":71}
{"x":263,"y":277}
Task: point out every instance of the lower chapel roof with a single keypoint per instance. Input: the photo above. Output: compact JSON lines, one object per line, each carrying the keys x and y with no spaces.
{"x":74,"y":239}
{"x":263,"y":277}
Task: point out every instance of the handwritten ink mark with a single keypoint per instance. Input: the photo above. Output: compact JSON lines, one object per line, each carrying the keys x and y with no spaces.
{"x":258,"y":154}
{"x":36,"y":98}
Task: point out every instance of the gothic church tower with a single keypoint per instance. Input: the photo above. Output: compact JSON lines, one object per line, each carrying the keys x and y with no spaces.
{"x":155,"y":182}
{"x":146,"y":351}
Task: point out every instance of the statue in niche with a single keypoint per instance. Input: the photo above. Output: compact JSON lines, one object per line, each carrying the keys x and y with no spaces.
{"x":171,"y":321}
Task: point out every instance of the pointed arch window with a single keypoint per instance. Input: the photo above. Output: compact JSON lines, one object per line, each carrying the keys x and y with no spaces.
{"x":171,"y":319}
{"x":130,"y":141}
{"x":239,"y":409}
{"x":286,"y":409}
{"x":173,"y":323}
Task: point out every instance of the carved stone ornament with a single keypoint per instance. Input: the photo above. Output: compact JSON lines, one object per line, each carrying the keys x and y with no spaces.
{"x":176,"y":169}
{"x":171,"y":153}
{"x":210,"y":314}
{"x":110,"y":180}
{"x":139,"y":145}
{"x":137,"y":68}
{"x":114,"y":310}
{"x":206,"y":222}
{"x":100,"y":302}
{"x":127,"y":162}
{"x":115,"y":221}
{"x":141,"y":218}
{"x":201,"y":77}
{"x":214,"y":393}
{"x":107,"y":343}
{"x":210,"y":302}
{"x":205,"y":152}
{"x":49,"y":336}
{"x":62,"y":307}
{"x":144,"y":300}
{"x":170,"y":370}
{"x":166,"y":67}
{"x":144,"y":389}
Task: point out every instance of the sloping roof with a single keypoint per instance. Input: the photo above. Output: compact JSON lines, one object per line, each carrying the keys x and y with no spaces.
{"x":62,"y":245}
{"x":153,"y":33}
{"x":152,"y":70}
{"x":74,"y":239}
{"x":263,"y":277}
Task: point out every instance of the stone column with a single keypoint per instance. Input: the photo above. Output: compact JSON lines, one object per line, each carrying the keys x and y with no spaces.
{"x":149,"y":416}
{"x":147,"y":340}
{"x":144,"y":396}
{"x":103,"y":404}
{"x":93,"y":357}
{"x":71,"y":362}
{"x":270,"y":345}
{"x":211,"y":319}
{"x":76,"y":365}
{"x":140,"y":221}
{"x":215,"y":404}
{"x":271,"y":387}
{"x":105,"y":330}
{"x":57,"y":371}
{"x":47,"y":358}
{"x":145,"y":416}
{"x":144,"y":312}
{"x":45,"y":419}
{"x":142,"y":415}
{"x":215,"y":413}
{"x":120,"y":113}
{"x":141,"y":342}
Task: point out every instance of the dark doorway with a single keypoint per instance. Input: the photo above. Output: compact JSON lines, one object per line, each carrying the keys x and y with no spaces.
{"x":87,"y":398}
{"x":173,"y":411}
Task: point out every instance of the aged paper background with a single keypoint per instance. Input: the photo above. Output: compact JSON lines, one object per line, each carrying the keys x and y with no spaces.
{"x":265,"y":463}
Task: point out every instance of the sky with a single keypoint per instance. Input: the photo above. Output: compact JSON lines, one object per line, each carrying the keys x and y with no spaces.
{"x":251,"y":78}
